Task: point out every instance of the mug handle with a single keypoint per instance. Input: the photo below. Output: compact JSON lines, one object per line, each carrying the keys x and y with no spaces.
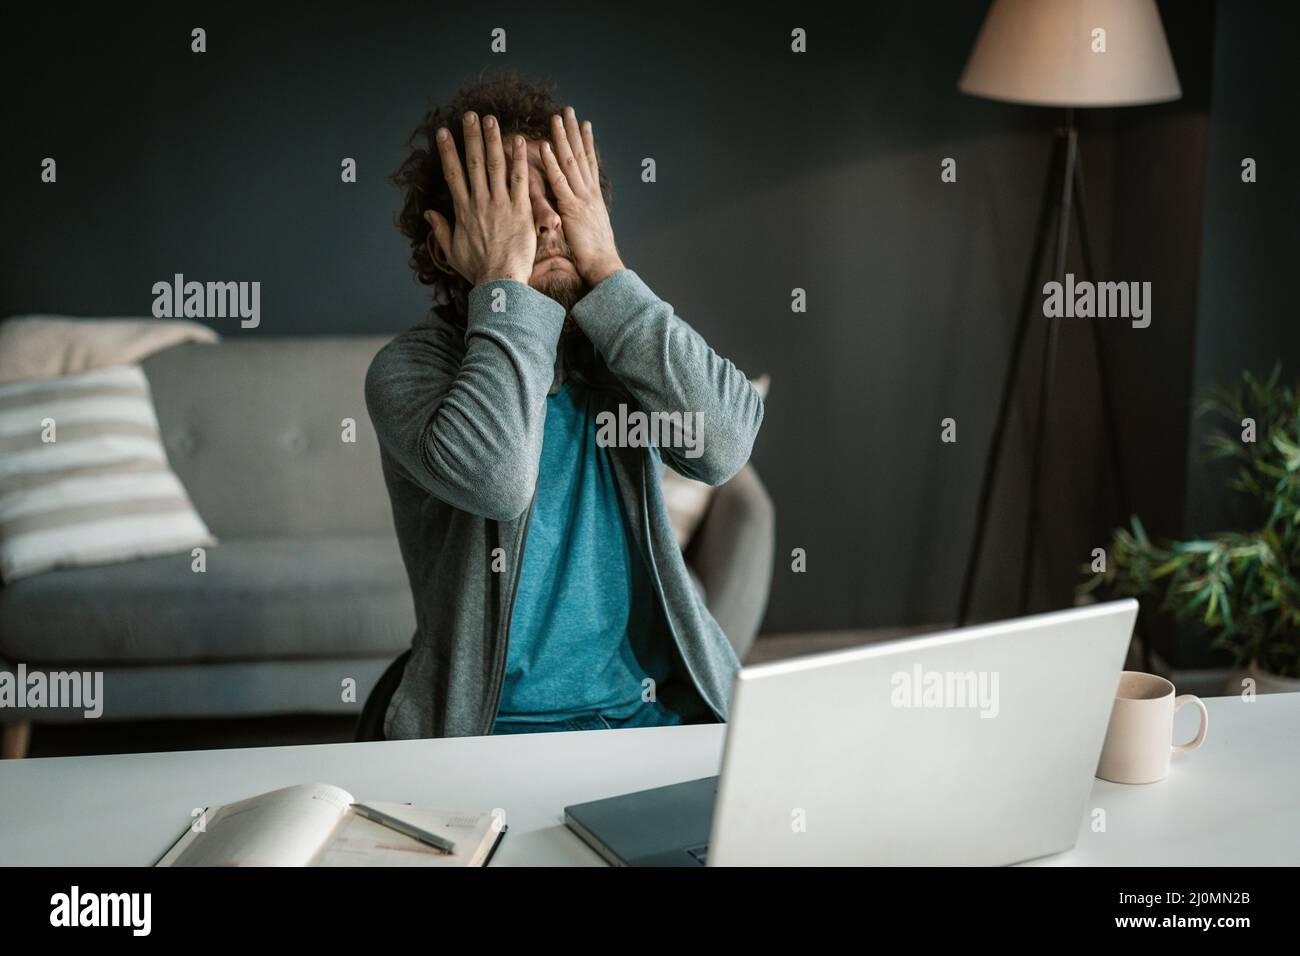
{"x":1200,"y":733}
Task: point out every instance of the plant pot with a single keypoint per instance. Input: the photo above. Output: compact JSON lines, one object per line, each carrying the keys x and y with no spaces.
{"x":1266,"y":682}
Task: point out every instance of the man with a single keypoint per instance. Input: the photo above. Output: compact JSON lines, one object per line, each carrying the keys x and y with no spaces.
{"x":550,"y":592}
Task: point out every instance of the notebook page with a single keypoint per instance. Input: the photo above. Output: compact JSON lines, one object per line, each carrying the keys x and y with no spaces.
{"x":285,"y":827}
{"x":362,"y":842}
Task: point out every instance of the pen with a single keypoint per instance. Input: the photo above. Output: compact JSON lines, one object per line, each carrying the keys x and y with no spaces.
{"x":401,"y":826}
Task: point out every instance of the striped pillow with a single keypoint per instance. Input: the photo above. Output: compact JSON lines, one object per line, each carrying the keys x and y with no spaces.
{"x":83,"y":475}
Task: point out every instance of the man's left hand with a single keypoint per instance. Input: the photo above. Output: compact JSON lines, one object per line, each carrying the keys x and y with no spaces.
{"x":574,"y":174}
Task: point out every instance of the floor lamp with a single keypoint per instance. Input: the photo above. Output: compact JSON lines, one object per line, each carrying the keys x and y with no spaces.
{"x":1068,"y":54}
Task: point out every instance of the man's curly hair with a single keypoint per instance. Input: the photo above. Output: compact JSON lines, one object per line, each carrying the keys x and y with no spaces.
{"x":521,"y":106}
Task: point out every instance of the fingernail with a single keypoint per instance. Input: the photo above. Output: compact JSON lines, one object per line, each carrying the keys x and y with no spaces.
{"x":490,"y":122}
{"x":442,"y":134}
{"x":569,"y":111}
{"x":470,"y":119}
{"x":586,"y":124}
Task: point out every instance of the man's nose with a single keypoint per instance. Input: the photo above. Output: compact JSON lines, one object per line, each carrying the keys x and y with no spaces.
{"x":545,"y":216}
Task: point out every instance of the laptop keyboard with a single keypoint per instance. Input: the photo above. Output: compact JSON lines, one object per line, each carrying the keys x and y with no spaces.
{"x":701,"y":853}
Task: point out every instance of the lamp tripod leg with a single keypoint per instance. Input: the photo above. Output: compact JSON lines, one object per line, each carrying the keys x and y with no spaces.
{"x":1037,"y":253}
{"x":1048,"y":379}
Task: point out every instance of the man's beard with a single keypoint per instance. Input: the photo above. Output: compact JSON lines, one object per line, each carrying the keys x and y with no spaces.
{"x":574,"y":354}
{"x":565,"y":288}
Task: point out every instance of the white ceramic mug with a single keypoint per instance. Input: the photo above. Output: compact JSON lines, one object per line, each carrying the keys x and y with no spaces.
{"x":1139,"y":739}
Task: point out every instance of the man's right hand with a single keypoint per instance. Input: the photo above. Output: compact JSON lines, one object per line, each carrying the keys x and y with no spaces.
{"x":494,"y":236}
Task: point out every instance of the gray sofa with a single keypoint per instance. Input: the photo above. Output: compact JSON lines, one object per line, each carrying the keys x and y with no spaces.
{"x":306,"y":589}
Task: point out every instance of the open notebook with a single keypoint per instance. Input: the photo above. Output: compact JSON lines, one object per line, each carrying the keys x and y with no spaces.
{"x":313,"y":824}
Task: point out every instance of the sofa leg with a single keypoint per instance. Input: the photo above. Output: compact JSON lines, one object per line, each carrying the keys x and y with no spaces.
{"x":14,"y":738}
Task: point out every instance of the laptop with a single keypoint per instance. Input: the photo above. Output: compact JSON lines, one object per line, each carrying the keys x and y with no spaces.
{"x":971,"y":747}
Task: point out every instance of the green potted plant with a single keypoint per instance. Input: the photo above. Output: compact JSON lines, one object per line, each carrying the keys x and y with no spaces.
{"x":1241,"y":586}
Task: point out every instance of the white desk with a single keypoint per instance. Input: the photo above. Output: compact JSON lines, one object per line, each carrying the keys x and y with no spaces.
{"x":1235,"y":801}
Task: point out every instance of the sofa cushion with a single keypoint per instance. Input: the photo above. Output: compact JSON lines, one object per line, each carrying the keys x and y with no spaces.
{"x":338,"y":595}
{"x":271,"y":435}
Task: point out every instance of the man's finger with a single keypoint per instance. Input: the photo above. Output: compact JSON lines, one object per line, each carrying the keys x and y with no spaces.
{"x":564,"y":153}
{"x":589,"y":145}
{"x":574,"y":136}
{"x":451,"y":170}
{"x":478,"y":191}
{"x":496,"y":157}
{"x":519,"y":172}
{"x":559,"y":181}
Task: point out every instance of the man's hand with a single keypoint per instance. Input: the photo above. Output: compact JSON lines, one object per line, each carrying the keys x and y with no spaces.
{"x":494,"y":235}
{"x":574,"y":175}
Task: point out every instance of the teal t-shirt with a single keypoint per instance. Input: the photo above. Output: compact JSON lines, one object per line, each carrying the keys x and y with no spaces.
{"x":586,"y":631}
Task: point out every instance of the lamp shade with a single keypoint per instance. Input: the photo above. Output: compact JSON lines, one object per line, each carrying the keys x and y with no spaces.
{"x":1042,"y":53}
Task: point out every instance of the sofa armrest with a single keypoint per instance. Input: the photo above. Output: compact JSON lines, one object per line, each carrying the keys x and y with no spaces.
{"x":732,"y":554}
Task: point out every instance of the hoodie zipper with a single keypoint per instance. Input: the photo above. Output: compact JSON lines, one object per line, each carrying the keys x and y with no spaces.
{"x":500,"y":673}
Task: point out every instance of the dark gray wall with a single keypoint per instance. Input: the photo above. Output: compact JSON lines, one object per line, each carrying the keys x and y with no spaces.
{"x":1248,"y":317}
{"x":775,"y":170}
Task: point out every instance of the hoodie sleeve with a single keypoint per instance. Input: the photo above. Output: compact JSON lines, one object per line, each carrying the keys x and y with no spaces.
{"x":668,"y":367}
{"x":466,"y":424}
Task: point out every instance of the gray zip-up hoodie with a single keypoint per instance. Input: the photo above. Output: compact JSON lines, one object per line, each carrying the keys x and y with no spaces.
{"x":459,"y":417}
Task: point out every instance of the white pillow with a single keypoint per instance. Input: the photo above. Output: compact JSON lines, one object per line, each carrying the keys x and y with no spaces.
{"x":686,"y":499}
{"x":84,"y":478}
